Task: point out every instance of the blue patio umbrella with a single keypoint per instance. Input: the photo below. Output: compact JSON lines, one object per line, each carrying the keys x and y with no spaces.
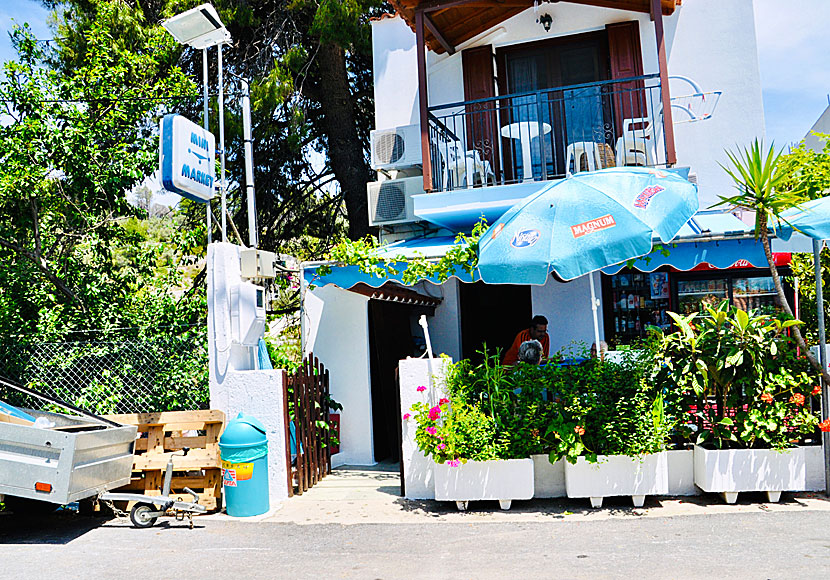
{"x":811,"y":218}
{"x":584,"y":223}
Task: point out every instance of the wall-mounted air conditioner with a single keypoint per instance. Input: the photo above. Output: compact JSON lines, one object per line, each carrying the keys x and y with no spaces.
{"x":396,"y":148}
{"x":390,"y":201}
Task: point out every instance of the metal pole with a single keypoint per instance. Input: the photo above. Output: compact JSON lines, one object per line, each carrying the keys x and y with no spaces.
{"x":206,"y":124}
{"x":222,"y":147}
{"x":249,"y":163}
{"x":825,"y":395}
{"x":594,"y":304}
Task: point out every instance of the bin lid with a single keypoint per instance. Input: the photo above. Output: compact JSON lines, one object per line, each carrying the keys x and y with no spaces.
{"x":244,"y":430}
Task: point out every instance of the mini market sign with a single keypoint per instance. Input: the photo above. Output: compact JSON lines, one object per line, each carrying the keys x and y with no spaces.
{"x":187,"y":156}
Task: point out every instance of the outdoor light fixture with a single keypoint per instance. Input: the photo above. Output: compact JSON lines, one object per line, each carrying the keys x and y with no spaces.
{"x":545,"y":20}
{"x":198,"y":28}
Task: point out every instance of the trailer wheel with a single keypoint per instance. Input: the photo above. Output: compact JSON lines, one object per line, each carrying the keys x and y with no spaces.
{"x":140,"y":515}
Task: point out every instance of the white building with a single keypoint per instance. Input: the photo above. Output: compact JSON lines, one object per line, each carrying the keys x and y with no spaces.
{"x":607,"y":81}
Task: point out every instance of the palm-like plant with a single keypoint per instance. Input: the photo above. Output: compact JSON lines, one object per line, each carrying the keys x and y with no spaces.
{"x":760,"y":179}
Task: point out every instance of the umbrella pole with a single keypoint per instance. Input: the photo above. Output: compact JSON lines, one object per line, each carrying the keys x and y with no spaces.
{"x":594,"y":305}
{"x":825,"y":396}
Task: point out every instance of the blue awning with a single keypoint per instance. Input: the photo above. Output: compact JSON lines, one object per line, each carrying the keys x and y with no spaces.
{"x":348,"y":276}
{"x":719,"y":239}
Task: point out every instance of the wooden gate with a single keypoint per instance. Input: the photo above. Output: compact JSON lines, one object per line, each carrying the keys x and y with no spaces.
{"x":306,"y":406}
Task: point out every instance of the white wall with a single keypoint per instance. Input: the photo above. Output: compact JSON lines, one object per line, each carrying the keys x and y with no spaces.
{"x":336,"y":329}
{"x":445,"y":325}
{"x":711,"y":41}
{"x":234,"y":387}
{"x":395,"y":69}
{"x":568,"y":310}
{"x":715,"y":44}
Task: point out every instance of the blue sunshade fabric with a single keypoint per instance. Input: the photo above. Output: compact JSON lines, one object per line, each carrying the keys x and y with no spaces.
{"x":683,"y":256}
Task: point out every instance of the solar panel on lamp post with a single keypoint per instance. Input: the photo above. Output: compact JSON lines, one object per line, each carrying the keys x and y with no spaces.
{"x":201,"y":28}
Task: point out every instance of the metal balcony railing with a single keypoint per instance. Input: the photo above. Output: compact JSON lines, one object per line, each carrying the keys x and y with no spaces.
{"x":546,"y":134}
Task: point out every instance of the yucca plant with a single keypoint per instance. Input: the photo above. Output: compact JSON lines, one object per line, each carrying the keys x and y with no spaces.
{"x":760,"y":179}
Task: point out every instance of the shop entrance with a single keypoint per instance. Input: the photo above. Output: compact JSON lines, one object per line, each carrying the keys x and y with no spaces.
{"x":492,"y":315}
{"x":390,"y":340}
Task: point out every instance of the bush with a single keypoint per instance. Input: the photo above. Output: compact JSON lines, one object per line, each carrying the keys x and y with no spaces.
{"x":738,"y":380}
{"x":607,"y":408}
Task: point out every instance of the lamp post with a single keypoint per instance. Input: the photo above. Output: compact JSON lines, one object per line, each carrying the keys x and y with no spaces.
{"x":201,"y":28}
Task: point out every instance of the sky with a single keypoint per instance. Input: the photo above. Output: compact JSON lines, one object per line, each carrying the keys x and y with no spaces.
{"x":793,"y":44}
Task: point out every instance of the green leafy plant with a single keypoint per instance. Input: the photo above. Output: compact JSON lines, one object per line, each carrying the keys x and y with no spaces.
{"x":739,"y":379}
{"x":606,"y":408}
{"x":365,"y":253}
{"x":456,"y":432}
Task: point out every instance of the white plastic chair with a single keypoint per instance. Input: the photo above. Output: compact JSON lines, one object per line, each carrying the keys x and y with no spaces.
{"x":463,"y":167}
{"x":636,"y":144}
{"x":574,"y":154}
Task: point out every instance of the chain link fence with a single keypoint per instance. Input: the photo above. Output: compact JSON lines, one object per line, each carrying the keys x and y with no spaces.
{"x":113,"y":373}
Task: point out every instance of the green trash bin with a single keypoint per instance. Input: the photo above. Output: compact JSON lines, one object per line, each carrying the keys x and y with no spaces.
{"x":243,"y":447}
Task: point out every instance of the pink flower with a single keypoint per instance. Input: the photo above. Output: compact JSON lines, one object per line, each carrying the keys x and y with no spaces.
{"x":406,"y":416}
{"x":442,"y":446}
{"x":421,"y":389}
{"x":434,"y":413}
{"x":443,"y":402}
{"x":431,"y":430}
{"x":453,"y":463}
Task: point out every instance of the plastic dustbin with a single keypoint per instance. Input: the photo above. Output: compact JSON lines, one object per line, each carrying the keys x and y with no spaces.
{"x":244,"y":450}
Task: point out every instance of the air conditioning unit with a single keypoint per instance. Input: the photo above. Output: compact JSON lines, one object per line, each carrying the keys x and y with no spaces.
{"x":396,"y":148}
{"x":390,"y":201}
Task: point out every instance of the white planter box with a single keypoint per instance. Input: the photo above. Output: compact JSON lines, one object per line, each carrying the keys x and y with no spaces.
{"x":618,"y":475}
{"x":548,"y":478}
{"x":729,"y":471}
{"x":682,"y":472}
{"x":504,"y":480}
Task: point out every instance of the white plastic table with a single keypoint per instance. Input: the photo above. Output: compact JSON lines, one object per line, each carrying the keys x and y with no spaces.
{"x":525,"y":132}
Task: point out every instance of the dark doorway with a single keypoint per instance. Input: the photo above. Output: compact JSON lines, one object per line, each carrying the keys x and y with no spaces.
{"x":390,"y":340}
{"x":492,"y":315}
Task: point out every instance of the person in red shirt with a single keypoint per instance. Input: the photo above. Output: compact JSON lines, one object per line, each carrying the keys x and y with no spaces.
{"x":538,"y":330}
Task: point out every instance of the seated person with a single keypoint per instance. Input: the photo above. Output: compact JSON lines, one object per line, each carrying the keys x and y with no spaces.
{"x":530,"y":352}
{"x":538,"y":330}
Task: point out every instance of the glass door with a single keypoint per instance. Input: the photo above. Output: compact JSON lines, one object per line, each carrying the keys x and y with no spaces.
{"x":693,"y":294}
{"x":756,"y":294}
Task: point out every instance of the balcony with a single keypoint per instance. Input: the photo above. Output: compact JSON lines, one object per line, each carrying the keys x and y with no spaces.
{"x":546,"y":134}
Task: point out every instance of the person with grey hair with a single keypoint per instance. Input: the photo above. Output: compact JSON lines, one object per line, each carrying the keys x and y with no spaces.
{"x":530,"y":352}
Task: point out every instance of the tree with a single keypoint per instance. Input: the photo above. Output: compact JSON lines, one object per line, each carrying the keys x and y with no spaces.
{"x":77,"y":140}
{"x":762,"y":181}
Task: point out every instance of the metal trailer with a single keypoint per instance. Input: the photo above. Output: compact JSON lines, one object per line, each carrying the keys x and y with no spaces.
{"x":78,"y":458}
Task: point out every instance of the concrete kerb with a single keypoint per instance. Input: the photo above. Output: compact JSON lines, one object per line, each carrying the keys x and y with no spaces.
{"x":360,"y":495}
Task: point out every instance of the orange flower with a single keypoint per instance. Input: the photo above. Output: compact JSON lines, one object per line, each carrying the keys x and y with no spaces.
{"x":816,"y":390}
{"x":767,"y":398}
{"x":824,"y":425}
{"x":797,"y":398}
{"x":579,"y":430}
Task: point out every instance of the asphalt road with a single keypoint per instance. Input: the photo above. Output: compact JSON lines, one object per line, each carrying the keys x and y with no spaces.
{"x":738,"y":545}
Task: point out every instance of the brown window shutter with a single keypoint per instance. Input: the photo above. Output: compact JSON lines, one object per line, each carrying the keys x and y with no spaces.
{"x":626,"y":62}
{"x":480,"y":83}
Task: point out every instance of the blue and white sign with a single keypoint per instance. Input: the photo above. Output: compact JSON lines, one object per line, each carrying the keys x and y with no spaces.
{"x":187,"y":158}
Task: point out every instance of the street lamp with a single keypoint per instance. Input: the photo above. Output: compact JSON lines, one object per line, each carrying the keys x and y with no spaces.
{"x":200,"y":28}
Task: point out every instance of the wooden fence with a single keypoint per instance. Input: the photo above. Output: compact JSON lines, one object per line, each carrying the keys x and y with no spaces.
{"x":306,"y":398}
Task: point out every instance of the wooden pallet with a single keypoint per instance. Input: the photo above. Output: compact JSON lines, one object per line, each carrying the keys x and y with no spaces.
{"x":160,"y":435}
